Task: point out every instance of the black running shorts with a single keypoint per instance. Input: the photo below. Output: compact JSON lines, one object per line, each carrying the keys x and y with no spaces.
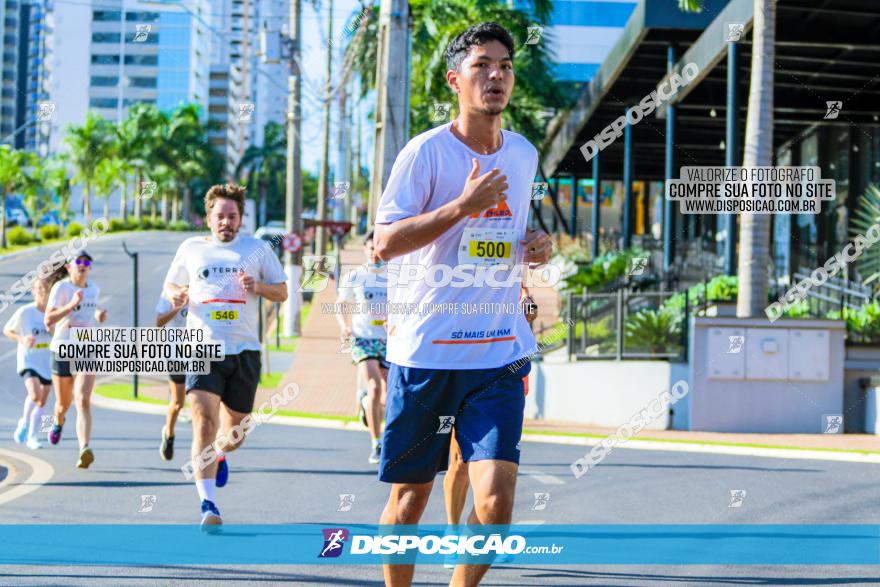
{"x":234,"y":379}
{"x":60,"y":368}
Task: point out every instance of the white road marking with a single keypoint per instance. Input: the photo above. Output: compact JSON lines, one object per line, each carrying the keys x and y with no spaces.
{"x":42,"y":471}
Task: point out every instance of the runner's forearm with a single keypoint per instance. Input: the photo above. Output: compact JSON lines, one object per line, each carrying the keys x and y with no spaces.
{"x":55,"y":315}
{"x":12,"y":335}
{"x":410,"y":234}
{"x":274,"y":292}
{"x":163,"y":319}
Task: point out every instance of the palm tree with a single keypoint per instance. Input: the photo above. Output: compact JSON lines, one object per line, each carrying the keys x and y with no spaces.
{"x":186,"y":153}
{"x":89,"y":144}
{"x":754,"y":245}
{"x":109,"y":174}
{"x":57,"y":183}
{"x":144,"y":127}
{"x":435,"y":24}
{"x":12,"y":178}
{"x":261,"y":162}
{"x":37,"y":196}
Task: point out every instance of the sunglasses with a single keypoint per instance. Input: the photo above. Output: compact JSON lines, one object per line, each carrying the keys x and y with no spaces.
{"x":84,"y":262}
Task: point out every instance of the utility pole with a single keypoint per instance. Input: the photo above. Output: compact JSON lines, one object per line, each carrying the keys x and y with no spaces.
{"x":342,"y":172}
{"x":357,"y":160}
{"x":293,"y":201}
{"x":392,"y":101}
{"x":320,"y":233}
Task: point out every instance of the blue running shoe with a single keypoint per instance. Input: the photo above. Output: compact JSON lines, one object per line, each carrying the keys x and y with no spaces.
{"x":222,"y":471}
{"x":210,"y":517}
{"x":21,"y":432}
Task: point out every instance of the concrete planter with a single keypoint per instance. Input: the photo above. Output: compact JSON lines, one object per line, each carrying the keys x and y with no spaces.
{"x":871,"y":386}
{"x":604,"y":393}
{"x":862,"y":363}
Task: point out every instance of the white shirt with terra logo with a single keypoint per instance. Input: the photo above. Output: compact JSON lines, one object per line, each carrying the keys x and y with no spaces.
{"x":83,"y":316}
{"x":489,"y":329}
{"x":367,"y":289}
{"x":28,"y":320}
{"x":163,"y":306}
{"x":218,"y":303}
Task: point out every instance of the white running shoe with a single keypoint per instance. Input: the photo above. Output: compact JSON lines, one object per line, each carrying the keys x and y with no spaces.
{"x":21,"y":431}
{"x":34,"y":443}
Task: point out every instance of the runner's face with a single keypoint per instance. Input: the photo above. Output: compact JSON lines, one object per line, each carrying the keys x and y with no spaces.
{"x":224,"y":219}
{"x":485,"y":81}
{"x":370,"y":252}
{"x":79,"y":269}
{"x":40,"y":293}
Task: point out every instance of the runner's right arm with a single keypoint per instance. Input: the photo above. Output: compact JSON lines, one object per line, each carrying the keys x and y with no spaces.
{"x":177,"y":303}
{"x":55,"y":314}
{"x":11,"y":329}
{"x":403,"y":236}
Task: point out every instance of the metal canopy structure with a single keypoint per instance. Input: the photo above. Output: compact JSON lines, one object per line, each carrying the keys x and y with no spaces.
{"x":631,"y":71}
{"x":826,"y":50}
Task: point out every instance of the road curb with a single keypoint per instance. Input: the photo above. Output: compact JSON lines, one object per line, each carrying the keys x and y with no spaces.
{"x":720,"y":449}
{"x":633,"y":444}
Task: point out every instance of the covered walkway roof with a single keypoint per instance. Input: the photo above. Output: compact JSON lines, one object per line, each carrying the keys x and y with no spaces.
{"x":826,"y":50}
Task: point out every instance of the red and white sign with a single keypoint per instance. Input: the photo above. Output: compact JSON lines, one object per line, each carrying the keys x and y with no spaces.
{"x":292,"y":243}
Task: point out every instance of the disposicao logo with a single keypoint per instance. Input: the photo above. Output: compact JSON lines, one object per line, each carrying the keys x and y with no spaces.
{"x":334,"y":540}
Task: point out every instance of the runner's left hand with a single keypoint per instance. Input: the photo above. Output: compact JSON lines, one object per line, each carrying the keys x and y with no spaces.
{"x":101,"y":315}
{"x":538,"y":246}
{"x":248,"y":282}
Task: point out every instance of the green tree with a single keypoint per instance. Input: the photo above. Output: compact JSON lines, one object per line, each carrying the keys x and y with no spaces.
{"x":13,"y":177}
{"x":109,"y":175}
{"x":89,"y":144}
{"x":186,"y":153}
{"x":260,"y":163}
{"x":56,"y":181}
{"x":435,"y":24}
{"x":144,"y":130}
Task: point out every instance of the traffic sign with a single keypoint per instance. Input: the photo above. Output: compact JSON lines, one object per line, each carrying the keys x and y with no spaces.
{"x":292,"y":242}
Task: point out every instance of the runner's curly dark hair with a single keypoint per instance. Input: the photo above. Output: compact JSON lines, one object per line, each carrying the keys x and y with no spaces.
{"x":230,"y":191}
{"x":476,"y":35}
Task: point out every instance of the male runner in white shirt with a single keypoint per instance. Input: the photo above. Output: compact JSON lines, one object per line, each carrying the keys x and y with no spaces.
{"x":458,"y":196}
{"x":223,"y":275}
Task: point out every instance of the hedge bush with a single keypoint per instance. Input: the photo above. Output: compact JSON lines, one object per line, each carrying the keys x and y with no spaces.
{"x":179,"y":225}
{"x":116,"y":224}
{"x":50,"y":231}
{"x":19,"y":235}
{"x":74,"y":229}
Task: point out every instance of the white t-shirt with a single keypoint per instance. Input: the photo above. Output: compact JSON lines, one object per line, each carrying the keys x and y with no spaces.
{"x":163,"y":306}
{"x":367,"y":289}
{"x":83,"y":316}
{"x":218,"y":302}
{"x":430,"y":172}
{"x":28,"y":320}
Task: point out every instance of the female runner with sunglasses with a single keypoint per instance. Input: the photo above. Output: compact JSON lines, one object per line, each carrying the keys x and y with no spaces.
{"x":73,"y":303}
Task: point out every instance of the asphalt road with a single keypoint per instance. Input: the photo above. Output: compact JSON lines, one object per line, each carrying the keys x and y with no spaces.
{"x":293,"y":475}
